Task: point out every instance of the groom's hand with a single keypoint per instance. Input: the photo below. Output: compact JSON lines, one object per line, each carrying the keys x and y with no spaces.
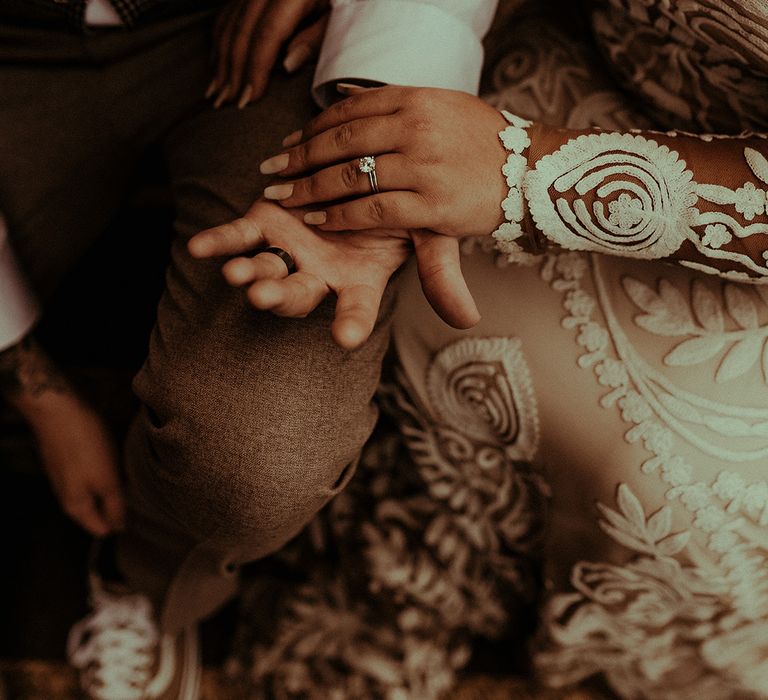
{"x":354,"y":266}
{"x":249,"y":35}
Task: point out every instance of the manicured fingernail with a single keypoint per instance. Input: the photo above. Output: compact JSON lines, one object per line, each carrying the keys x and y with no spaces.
{"x":293,"y":139}
{"x":223,"y":95}
{"x":278,"y":191}
{"x":245,"y":97}
{"x":350,"y":88}
{"x":274,"y":164}
{"x":296,"y":58}
{"x":211,"y":89}
{"x":315,"y":218}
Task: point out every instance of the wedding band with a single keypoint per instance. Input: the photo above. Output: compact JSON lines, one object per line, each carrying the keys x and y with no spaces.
{"x":284,"y":255}
{"x":367,"y":165}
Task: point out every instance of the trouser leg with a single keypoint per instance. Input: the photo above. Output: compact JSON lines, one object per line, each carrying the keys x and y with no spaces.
{"x":250,"y":422}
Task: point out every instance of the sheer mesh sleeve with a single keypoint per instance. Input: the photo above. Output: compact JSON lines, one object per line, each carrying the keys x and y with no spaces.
{"x":697,"y":200}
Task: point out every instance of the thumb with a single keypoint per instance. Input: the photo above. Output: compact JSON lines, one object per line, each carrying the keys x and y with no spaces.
{"x":356,"y":311}
{"x":439,"y":268}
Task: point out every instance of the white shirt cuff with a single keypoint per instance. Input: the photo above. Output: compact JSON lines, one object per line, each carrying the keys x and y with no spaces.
{"x":400,"y":42}
{"x":19,"y":310}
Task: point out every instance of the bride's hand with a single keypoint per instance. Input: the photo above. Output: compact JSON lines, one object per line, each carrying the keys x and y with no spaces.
{"x":438,"y":163}
{"x":354,"y":266}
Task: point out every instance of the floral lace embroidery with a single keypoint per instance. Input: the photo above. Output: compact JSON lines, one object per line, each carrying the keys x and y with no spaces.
{"x":654,"y":627}
{"x":549,"y":75}
{"x":515,"y":140}
{"x":727,"y":509}
{"x":658,"y":626}
{"x":669,"y":313}
{"x":650,"y":210}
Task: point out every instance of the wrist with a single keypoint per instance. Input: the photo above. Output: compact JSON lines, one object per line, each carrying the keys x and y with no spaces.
{"x":30,"y":381}
{"x":38,"y":410}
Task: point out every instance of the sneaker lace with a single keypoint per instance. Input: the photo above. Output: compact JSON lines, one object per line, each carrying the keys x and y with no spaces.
{"x":114,"y":647}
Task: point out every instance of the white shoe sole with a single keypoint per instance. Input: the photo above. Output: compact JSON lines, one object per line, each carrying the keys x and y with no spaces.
{"x":189,"y":664}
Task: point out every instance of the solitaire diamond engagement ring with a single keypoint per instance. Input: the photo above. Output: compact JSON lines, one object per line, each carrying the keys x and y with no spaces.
{"x":367,"y":165}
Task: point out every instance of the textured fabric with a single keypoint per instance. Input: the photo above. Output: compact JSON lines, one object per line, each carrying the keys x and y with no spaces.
{"x":246,"y":428}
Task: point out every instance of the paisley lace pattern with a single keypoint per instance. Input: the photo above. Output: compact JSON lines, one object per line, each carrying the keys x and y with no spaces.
{"x":482,"y":387}
{"x":647,"y":213}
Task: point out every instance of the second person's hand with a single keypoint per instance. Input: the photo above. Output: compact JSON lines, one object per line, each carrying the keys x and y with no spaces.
{"x":248,"y":37}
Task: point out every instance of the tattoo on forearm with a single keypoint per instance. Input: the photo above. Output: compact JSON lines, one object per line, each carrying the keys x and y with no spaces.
{"x":25,"y":369}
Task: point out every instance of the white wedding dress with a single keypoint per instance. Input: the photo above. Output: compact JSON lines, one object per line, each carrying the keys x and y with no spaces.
{"x":628,"y":394}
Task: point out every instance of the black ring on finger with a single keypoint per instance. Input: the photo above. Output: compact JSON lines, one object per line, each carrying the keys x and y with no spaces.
{"x":284,"y":255}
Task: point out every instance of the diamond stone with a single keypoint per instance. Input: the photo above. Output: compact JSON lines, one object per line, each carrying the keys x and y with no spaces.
{"x":367,"y":164}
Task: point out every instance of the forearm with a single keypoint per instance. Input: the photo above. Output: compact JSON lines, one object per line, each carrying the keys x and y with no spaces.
{"x":696,"y":200}
{"x":29,"y":379}
{"x":75,"y":447}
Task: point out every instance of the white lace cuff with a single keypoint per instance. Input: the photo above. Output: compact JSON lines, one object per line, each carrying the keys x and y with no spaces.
{"x":515,"y":140}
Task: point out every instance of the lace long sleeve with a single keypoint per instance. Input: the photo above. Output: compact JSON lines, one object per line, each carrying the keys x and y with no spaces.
{"x":700,"y":201}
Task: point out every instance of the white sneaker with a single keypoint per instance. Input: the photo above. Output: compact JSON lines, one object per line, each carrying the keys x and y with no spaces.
{"x":120,"y":654}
